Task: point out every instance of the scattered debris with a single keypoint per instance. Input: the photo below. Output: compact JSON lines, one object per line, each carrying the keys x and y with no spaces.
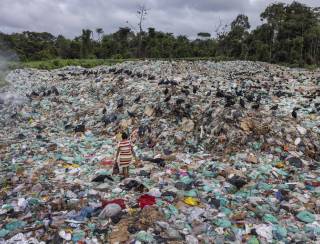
{"x":230,"y":154}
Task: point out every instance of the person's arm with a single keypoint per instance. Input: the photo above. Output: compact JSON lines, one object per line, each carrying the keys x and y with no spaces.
{"x":117,"y":154}
{"x":115,"y":163}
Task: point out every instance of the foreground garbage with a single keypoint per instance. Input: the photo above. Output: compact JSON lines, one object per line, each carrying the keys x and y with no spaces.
{"x":230,"y":154}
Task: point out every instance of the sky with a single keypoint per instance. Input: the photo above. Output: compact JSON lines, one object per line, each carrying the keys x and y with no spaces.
{"x":181,"y":17}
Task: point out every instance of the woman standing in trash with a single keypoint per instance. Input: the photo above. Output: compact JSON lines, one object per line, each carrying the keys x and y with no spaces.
{"x":124,"y":154}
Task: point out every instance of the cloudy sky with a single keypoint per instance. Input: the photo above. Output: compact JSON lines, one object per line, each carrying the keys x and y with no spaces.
{"x":68,"y":17}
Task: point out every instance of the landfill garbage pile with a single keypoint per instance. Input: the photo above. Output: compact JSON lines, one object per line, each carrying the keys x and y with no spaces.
{"x":230,"y":154}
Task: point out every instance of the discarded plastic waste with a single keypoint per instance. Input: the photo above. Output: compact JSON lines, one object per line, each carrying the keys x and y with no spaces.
{"x":146,"y":200}
{"x":110,"y":210}
{"x":306,"y":216}
{"x":223,"y":160}
{"x":191,"y":201}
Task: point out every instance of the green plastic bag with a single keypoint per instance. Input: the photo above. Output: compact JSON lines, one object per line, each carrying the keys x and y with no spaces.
{"x":186,"y":179}
{"x":191,"y":193}
{"x":15,"y":224}
{"x":4,"y":232}
{"x":253,"y":240}
{"x":144,"y":237}
{"x":279,"y":232}
{"x":306,"y":217}
{"x":293,"y":229}
{"x":270,"y":218}
{"x":225,"y":223}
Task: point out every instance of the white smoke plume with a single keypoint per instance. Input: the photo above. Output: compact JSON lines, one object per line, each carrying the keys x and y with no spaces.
{"x":7,"y":56}
{"x":7,"y":97}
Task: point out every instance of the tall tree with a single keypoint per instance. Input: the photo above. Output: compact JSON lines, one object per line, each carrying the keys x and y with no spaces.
{"x":85,"y":43}
{"x":142,"y":13}
{"x":241,"y":21}
{"x":232,"y":44}
{"x":99,"y":32}
{"x":290,"y":33}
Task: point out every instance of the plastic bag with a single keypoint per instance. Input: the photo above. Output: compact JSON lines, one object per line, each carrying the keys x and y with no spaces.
{"x":110,"y":210}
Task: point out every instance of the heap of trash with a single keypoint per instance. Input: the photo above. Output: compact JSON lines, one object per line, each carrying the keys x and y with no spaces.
{"x":230,"y":154}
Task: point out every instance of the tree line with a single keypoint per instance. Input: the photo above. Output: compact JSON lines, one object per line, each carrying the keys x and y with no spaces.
{"x":289,"y":33}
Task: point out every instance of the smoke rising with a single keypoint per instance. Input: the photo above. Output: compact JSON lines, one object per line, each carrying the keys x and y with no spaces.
{"x":3,"y":70}
{"x":6,"y":57}
{"x":7,"y":96}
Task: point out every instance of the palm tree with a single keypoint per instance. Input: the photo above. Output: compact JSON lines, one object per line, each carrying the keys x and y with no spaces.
{"x":85,"y":43}
{"x":99,"y":31}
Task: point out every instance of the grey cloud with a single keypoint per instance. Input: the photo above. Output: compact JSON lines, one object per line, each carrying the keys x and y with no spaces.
{"x":203,"y":5}
{"x":68,"y":17}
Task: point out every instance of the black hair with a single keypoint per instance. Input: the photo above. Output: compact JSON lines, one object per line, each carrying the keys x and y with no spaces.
{"x":124,"y":136}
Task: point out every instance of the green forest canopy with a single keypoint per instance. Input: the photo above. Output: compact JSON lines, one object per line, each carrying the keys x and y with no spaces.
{"x":289,"y":33}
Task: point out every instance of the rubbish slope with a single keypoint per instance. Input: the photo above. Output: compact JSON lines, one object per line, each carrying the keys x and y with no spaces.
{"x":230,"y":153}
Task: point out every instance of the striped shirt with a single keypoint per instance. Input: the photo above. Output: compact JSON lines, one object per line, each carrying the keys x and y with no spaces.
{"x":125,"y":153}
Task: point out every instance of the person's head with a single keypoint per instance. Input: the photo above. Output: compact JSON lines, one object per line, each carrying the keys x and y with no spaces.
{"x":124,"y":136}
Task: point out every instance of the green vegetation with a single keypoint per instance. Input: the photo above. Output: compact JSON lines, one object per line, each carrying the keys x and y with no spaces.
{"x":90,"y":63}
{"x":290,"y":34}
{"x":2,"y":80}
{"x":59,"y":63}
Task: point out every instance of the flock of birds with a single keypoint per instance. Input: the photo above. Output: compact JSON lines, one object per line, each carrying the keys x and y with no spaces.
{"x":246,"y":98}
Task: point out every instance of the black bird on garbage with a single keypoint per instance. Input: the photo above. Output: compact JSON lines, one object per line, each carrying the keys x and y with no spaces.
{"x":101,"y":178}
{"x":34,"y":94}
{"x":249,"y":97}
{"x":194,"y":89}
{"x":80,"y":128}
{"x":136,"y":100}
{"x":111,"y":70}
{"x":239,"y":93}
{"x":237,"y":181}
{"x":120,"y":103}
{"x":107,"y":119}
{"x":275,"y":107}
{"x":141,"y":131}
{"x":128,"y":72}
{"x":258,"y":99}
{"x":55,"y":90}
{"x":119,"y":71}
{"x":185,"y":91}
{"x":104,"y":110}
{"x":48,"y":93}
{"x":131,"y":115}
{"x":294,"y":113}
{"x":229,"y":101}
{"x":173,"y":83}
{"x":166,"y":91}
{"x":67,"y":126}
{"x":219,"y":93}
{"x":167,"y":99}
{"x":242,"y":103}
{"x":163,"y":82}
{"x":179,"y":101}
{"x":255,"y":106}
{"x":159,"y":161}
{"x":157,"y":111}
